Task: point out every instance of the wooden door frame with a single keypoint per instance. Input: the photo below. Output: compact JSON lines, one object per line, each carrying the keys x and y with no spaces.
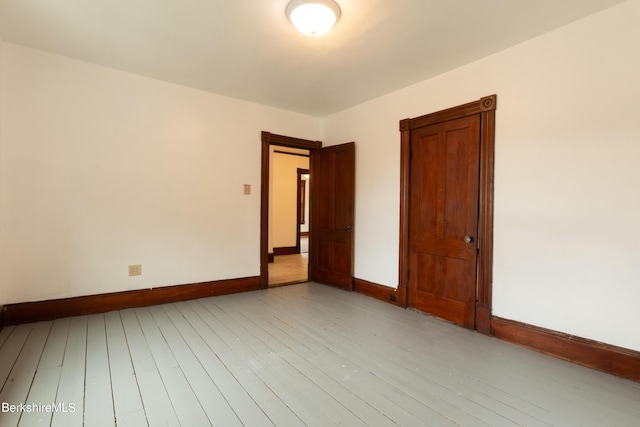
{"x":485,"y":107}
{"x":268,"y":139}
{"x":300,"y":205}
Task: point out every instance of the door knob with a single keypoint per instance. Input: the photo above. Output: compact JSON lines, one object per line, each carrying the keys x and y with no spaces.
{"x":347,"y":228}
{"x":468,"y":239}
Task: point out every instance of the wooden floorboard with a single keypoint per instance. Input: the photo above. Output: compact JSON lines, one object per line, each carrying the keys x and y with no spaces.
{"x":347,"y":351}
{"x":4,"y":333}
{"x":10,"y":350}
{"x":71,"y":386}
{"x":152,"y":390}
{"x":297,"y":355}
{"x":302,"y":355}
{"x":235,"y":391}
{"x":98,"y":400}
{"x":47,"y":378}
{"x":430,"y":388}
{"x":305,"y":398}
{"x":127,"y":402}
{"x":18,"y":384}
{"x":315,"y":358}
{"x":208,"y":395}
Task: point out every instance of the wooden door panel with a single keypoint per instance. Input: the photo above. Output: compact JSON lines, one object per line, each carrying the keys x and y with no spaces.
{"x":454,"y":287}
{"x":443,"y":197}
{"x":429,"y":277}
{"x":325,"y":259}
{"x":441,"y":276}
{"x":453,"y":311}
{"x":449,"y":248}
{"x":333,"y":214}
{"x":425,"y":201}
{"x":455,"y":184}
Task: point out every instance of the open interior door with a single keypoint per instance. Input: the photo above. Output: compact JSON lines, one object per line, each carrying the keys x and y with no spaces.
{"x":333,"y":185}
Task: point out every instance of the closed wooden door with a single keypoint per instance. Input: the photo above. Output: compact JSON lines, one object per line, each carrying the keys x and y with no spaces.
{"x":331,"y":238}
{"x":443,"y":219}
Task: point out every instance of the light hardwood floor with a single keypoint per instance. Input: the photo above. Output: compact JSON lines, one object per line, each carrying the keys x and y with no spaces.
{"x":293,"y":356}
{"x":288,"y":269}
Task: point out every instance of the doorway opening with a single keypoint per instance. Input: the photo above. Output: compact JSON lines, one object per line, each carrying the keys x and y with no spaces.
{"x":285,"y":231}
{"x":303,"y":211}
{"x":288,"y":216}
{"x":331,"y":209}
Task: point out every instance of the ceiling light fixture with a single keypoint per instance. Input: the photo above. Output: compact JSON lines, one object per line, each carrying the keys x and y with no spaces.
{"x":313,"y":17}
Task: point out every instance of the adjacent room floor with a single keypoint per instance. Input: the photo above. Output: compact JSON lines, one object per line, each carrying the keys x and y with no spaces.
{"x":303,"y":355}
{"x":288,"y":269}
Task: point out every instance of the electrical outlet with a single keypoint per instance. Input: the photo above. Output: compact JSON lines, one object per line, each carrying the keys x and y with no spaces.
{"x":247,"y":189}
{"x":135,"y":270}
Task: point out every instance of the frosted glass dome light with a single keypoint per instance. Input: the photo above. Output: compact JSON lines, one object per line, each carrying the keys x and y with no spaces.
{"x":313,"y":17}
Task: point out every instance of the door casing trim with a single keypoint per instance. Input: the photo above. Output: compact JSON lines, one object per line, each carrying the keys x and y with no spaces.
{"x":268,"y":139}
{"x":300,"y":206}
{"x":485,"y":107}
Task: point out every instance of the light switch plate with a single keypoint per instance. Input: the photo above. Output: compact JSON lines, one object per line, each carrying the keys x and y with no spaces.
{"x":135,"y":270}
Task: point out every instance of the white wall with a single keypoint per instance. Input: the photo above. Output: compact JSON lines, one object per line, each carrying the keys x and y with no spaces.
{"x":567,"y":200}
{"x":101,"y":169}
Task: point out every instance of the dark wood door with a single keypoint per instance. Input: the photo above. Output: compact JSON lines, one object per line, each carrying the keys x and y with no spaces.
{"x":443,"y":219}
{"x":331,"y":238}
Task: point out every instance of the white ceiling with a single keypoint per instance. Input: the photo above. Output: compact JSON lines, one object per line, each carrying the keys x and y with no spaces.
{"x":247,"y":49}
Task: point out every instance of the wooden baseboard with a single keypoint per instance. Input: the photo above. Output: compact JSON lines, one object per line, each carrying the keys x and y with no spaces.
{"x":28,"y":312}
{"x":270,"y":257}
{"x":615,"y":360}
{"x":1,"y":317}
{"x":287,"y":250}
{"x":304,"y":234}
{"x":374,"y":290}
